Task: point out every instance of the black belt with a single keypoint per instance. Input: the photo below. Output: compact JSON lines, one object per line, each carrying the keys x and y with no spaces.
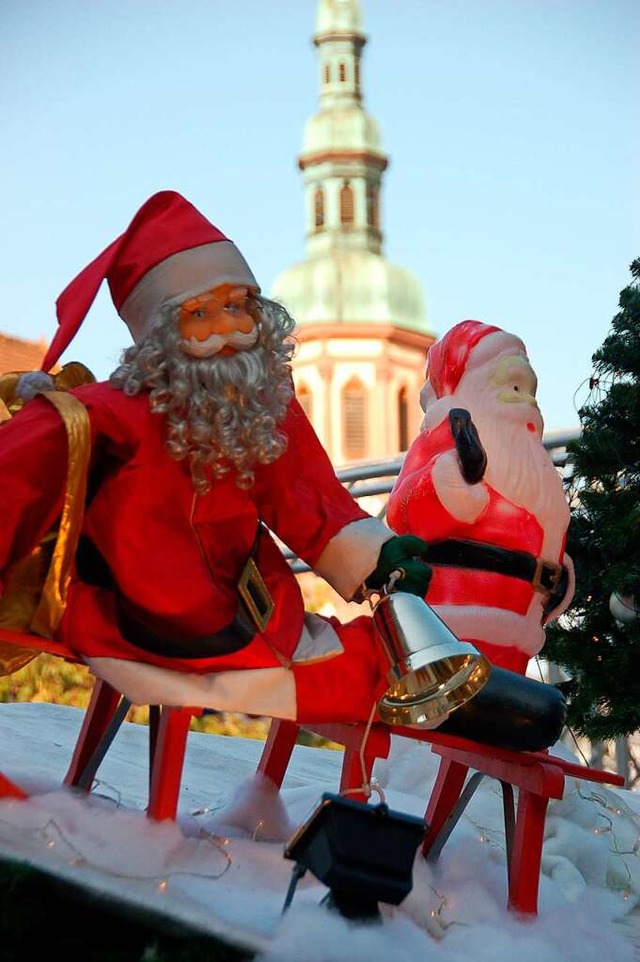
{"x":543,"y":575}
{"x":94,"y":570}
{"x":233,"y":637}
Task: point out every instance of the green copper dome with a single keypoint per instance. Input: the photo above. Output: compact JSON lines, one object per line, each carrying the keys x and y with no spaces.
{"x":351,"y":287}
{"x":345,"y":278}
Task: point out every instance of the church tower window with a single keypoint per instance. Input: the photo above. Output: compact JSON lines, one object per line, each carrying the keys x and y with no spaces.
{"x":342,"y":72}
{"x":373,"y":219}
{"x":319,"y":207}
{"x":327,"y":73}
{"x":354,"y":407}
{"x":347,"y":206}
{"x":403,"y":420}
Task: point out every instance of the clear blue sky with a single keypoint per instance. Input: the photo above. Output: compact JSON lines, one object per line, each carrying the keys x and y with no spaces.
{"x":512,"y":128}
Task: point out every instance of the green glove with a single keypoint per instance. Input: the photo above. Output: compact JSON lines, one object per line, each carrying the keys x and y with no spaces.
{"x":407,"y":554}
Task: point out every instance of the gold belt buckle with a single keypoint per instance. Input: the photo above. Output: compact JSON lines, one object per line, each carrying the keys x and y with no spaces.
{"x":255,"y":595}
{"x":555,"y":574}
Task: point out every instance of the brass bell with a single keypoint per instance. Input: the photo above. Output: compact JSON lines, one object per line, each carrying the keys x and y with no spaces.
{"x":432,"y":672}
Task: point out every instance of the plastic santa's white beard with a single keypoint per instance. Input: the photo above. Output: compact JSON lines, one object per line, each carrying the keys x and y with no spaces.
{"x":519,"y":466}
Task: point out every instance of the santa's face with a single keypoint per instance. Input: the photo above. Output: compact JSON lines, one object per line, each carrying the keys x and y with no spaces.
{"x":515,"y":381}
{"x":500,"y":383}
{"x":219,"y":321}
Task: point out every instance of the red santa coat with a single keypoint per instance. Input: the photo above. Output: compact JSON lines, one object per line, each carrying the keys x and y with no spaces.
{"x":501,"y":615}
{"x":177,"y":556}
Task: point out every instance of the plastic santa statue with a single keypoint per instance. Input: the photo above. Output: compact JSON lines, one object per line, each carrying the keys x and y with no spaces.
{"x":479,"y":486}
{"x":179,"y":594}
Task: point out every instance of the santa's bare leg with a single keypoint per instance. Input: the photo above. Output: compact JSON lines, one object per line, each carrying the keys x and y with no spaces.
{"x":340,"y":687}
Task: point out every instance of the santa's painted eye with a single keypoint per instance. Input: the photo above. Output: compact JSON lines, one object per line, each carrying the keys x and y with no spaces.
{"x":199,"y":313}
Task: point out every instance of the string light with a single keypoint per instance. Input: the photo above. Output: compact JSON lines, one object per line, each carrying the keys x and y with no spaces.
{"x":117,"y":801}
{"x":78,"y":858}
{"x":620,"y":811}
{"x":436,"y":922}
{"x":438,"y":918}
{"x":488,"y":837}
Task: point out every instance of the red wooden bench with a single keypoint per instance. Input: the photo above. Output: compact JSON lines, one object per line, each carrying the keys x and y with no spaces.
{"x":537,"y":776}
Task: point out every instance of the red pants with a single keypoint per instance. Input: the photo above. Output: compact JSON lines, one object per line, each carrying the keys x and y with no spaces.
{"x":346,"y":687}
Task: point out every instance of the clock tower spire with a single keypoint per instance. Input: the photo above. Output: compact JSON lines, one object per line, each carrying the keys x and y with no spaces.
{"x":361,"y":320}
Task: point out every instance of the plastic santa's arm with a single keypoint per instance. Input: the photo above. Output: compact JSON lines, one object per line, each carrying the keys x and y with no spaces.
{"x":430,"y":490}
{"x":463,"y":501}
{"x":471,"y":454}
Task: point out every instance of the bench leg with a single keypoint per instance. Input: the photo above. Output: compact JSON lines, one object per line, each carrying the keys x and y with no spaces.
{"x":155,"y":713}
{"x":438,"y":843}
{"x":508,"y":811}
{"x":96,"y":734}
{"x":9,"y":789}
{"x":358,"y":759}
{"x":524,"y":864}
{"x":168,"y":747}
{"x":444,"y":795}
{"x":277,"y":750}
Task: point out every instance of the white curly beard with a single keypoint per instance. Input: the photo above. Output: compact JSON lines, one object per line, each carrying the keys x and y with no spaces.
{"x":521,"y":469}
{"x":222,"y":411}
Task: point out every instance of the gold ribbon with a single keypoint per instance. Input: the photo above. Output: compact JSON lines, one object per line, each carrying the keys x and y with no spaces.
{"x":53,"y":599}
{"x":36,"y":588}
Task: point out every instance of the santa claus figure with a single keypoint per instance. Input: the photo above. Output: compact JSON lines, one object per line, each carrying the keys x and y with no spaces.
{"x":179,"y":594}
{"x":479,"y":486}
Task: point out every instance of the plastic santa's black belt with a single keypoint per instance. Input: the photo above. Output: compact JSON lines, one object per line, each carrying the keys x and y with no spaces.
{"x":543,"y":575}
{"x":233,"y":637}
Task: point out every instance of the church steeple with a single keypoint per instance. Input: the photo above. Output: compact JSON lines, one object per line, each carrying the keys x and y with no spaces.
{"x":339,"y":41}
{"x":342,"y":160}
{"x":361,"y":326}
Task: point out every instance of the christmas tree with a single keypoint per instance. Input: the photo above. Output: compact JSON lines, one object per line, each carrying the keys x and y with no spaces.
{"x":597,"y":640}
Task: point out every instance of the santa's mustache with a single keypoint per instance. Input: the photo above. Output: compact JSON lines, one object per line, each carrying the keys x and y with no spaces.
{"x":239,"y":340}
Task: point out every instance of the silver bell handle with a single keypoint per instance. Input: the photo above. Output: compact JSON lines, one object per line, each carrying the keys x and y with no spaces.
{"x":396,"y":575}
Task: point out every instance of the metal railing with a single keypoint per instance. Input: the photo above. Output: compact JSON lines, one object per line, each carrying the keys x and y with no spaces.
{"x":371,"y":479}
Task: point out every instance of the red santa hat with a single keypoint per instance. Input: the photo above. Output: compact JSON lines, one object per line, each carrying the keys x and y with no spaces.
{"x":168,"y":253}
{"x":448,"y":357}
